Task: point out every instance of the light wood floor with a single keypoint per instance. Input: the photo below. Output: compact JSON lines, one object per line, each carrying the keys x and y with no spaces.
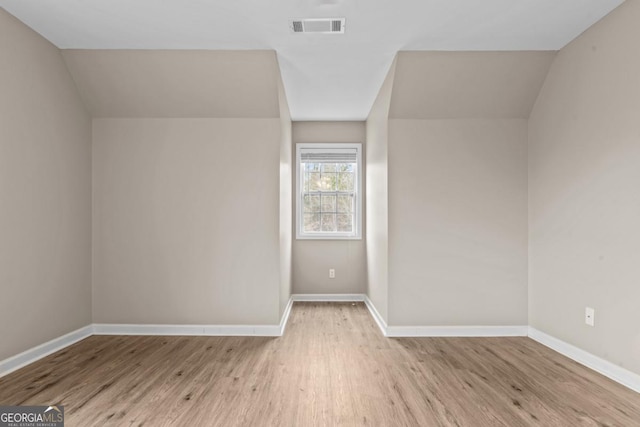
{"x":332,"y":367}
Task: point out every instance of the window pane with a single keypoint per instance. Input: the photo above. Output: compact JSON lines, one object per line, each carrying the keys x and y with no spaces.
{"x":345,"y":204}
{"x":328,"y":203}
{"x":328,"y":222}
{"x":311,"y":203}
{"x":329,"y":181}
{"x":311,"y":222}
{"x":345,"y":167}
{"x":345,"y":222}
{"x":312,"y":167}
{"x":314,"y":182}
{"x":328,"y":167}
{"x":345,"y":182}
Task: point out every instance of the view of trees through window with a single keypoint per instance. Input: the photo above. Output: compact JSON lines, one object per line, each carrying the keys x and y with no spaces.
{"x":328,"y":194}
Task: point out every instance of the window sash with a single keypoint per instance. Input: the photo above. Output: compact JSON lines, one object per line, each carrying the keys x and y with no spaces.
{"x":337,"y":211}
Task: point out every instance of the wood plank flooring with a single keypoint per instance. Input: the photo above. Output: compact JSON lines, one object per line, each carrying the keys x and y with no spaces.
{"x":332,"y":367}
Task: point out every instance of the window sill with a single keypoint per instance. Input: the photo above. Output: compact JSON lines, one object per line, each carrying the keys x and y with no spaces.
{"x":328,"y":237}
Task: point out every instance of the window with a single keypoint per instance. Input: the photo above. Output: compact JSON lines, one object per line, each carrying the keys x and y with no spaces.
{"x":328,"y":184}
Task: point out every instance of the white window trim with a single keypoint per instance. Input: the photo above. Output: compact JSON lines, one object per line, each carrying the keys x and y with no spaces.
{"x":358,"y":202}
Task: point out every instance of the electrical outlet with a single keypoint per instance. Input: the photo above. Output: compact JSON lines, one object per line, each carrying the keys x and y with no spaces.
{"x":332,"y":273}
{"x":589,"y":316}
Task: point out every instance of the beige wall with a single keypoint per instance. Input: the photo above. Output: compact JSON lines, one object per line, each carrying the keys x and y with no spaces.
{"x":312,"y":259}
{"x":286,"y":194}
{"x":45,"y":194}
{"x":186,"y":225}
{"x":456,"y":85}
{"x":378,"y":197}
{"x":584,"y":204}
{"x":176,"y":83}
{"x":447,"y":198}
{"x":458,"y":222}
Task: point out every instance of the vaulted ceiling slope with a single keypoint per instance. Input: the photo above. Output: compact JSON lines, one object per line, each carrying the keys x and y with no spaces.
{"x":444,"y":85}
{"x":176,"y":83}
{"x":326,"y":77}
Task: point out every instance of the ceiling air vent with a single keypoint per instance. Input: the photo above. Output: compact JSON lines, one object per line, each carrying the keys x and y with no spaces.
{"x":321,"y":26}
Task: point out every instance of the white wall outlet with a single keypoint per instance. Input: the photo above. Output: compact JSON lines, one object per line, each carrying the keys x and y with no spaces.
{"x":589,"y":316}
{"x":332,"y":273}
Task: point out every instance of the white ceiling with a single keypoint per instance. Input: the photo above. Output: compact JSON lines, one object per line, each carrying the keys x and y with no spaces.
{"x":326,"y":77}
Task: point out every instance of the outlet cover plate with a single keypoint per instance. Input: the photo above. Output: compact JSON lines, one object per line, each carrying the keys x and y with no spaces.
{"x":589,"y":316}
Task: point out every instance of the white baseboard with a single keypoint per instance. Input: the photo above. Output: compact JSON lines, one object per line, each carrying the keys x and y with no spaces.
{"x":285,"y":316}
{"x":604,"y":367}
{"x":328,"y":297}
{"x":197,"y":330}
{"x":616,"y":373}
{"x":376,"y":316}
{"x":187,"y":330}
{"x":457,"y":331}
{"x":36,"y":353}
{"x":443,"y":331}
